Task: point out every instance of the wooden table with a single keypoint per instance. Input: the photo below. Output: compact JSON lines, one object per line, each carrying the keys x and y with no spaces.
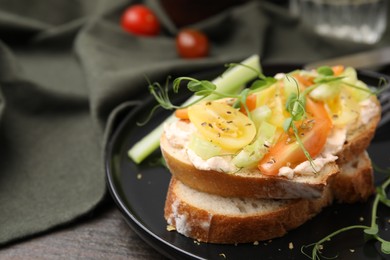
{"x":102,"y":235}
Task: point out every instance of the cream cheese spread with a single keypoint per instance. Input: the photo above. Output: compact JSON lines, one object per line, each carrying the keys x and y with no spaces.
{"x":178,"y":133}
{"x":368,"y":110}
{"x":333,"y":145}
{"x":216,"y":163}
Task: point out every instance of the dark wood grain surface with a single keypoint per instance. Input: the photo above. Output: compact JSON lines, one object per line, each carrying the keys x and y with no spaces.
{"x":102,"y":235}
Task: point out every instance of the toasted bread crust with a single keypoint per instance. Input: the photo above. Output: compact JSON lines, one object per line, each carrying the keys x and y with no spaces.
{"x":239,"y":228}
{"x":355,"y":183}
{"x":255,"y":185}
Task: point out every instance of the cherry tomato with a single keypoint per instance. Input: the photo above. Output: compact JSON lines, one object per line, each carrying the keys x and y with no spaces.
{"x":140,"y":20}
{"x":191,"y":43}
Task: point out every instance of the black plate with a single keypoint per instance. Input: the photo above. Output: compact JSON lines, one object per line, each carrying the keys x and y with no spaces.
{"x":140,"y":190}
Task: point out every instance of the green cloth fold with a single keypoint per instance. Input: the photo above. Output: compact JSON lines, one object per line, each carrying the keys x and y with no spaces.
{"x":67,"y":69}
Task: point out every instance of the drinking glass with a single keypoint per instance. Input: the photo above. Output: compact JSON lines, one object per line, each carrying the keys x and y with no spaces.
{"x":362,"y":21}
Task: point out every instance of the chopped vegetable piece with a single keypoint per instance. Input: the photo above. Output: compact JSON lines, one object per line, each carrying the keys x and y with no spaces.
{"x":348,"y":110}
{"x":337,"y":70}
{"x":305,"y":80}
{"x":325,"y":92}
{"x":182,"y":113}
{"x":360,"y":92}
{"x":266,"y":95}
{"x":349,"y":75}
{"x":261,"y":114}
{"x":252,"y":153}
{"x":204,"y":149}
{"x":250,"y":103}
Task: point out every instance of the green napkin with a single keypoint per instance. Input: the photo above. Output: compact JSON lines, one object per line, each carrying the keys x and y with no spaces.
{"x":51,"y":167}
{"x":67,"y":69}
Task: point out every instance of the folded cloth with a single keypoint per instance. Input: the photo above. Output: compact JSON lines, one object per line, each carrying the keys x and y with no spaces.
{"x":67,"y":68}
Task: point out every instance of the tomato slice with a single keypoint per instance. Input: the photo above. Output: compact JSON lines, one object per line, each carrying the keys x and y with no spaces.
{"x":221,"y":124}
{"x":313,"y":133}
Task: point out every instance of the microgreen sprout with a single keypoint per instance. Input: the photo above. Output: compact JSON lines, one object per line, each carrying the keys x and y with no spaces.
{"x":383,"y":86}
{"x":295,"y":105}
{"x":326,"y":75}
{"x":161,"y":95}
{"x":202,"y":88}
{"x":205,"y":88}
{"x":370,"y":232}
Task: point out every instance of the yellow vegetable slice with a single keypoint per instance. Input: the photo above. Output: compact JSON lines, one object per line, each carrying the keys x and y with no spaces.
{"x":272,"y":97}
{"x":348,"y":112}
{"x":222,"y":125}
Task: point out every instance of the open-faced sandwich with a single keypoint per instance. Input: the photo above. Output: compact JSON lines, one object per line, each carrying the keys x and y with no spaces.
{"x":286,"y":141}
{"x":251,"y":165}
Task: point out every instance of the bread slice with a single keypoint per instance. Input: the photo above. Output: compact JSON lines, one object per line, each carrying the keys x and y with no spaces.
{"x":216,"y":219}
{"x":251,"y":183}
{"x":355,"y":182}
{"x":230,"y":220}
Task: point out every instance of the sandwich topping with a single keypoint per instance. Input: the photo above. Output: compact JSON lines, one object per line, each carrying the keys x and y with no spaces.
{"x":293,"y":125}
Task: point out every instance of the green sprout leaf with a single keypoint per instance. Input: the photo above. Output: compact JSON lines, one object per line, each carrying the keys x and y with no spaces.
{"x":262,"y":83}
{"x":201,"y":88}
{"x":385,"y":247}
{"x":372,"y":230}
{"x":258,"y":84}
{"x":325,"y":70}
